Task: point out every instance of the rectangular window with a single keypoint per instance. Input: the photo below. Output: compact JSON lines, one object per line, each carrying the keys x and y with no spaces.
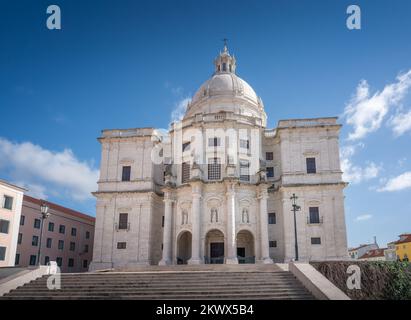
{"x":51,"y":226}
{"x":311,"y":168}
{"x":20,"y":238}
{"x":61,"y":245}
{"x":73,"y":232}
{"x":185,"y":172}
{"x":123,"y":221}
{"x":35,"y":241}
{"x":121,"y":245}
{"x":244,"y":170}
{"x":62,"y":229}
{"x":214,"y":169}
{"x":273,"y":244}
{"x":37,"y":223}
{"x":245,"y":143}
{"x":86,"y":248}
{"x":59,"y":261}
{"x":314,"y":215}
{"x":214,"y":142}
{"x":71,"y":262}
{"x":72,"y":246}
{"x":46,"y":260}
{"x":126,"y":174}
{"x":162,"y":221}
{"x":87,"y":234}
{"x":85,"y":263}
{"x":4,"y":226}
{"x":269,"y":156}
{"x":17,"y":260}
{"x":270,"y":172}
{"x":49,"y":243}
{"x":22,"y":218}
{"x":33,"y":259}
{"x":272,"y":219}
{"x":186,"y":146}
{"x":316,"y":240}
{"x":2,"y":253}
{"x":8,"y":202}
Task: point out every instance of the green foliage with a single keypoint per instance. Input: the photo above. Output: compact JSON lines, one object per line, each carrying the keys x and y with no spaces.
{"x":379,"y":280}
{"x":400,"y":287}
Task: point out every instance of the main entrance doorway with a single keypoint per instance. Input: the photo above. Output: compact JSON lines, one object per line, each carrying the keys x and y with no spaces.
{"x":245,"y":247}
{"x":214,"y":247}
{"x":240,"y":254}
{"x":184,"y":247}
{"x":216,"y":252}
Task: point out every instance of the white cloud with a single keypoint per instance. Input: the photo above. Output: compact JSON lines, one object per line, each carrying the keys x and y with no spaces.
{"x":46,"y":172}
{"x":363,"y":217}
{"x":401,"y":123}
{"x":401,"y":182}
{"x":34,"y":190}
{"x":353,"y":173}
{"x":180,"y":109}
{"x":366,"y":113}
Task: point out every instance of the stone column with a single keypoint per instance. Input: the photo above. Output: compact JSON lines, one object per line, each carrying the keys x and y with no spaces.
{"x":196,"y":225}
{"x":265,"y":252}
{"x":167,"y":232}
{"x":231,"y":255}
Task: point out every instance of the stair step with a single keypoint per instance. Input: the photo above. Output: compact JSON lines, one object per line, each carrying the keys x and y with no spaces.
{"x":161,"y":286}
{"x":167,"y":285}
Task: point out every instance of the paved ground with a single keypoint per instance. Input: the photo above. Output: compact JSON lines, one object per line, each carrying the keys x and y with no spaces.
{"x":8,"y":271}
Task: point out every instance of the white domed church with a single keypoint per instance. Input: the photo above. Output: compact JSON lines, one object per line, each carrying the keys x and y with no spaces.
{"x":219,"y":186}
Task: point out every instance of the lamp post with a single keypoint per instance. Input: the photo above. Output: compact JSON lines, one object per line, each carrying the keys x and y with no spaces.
{"x":44,"y":209}
{"x":295,"y":209}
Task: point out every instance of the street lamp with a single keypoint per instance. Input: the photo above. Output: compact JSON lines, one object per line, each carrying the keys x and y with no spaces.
{"x":295,"y":209}
{"x":44,"y":209}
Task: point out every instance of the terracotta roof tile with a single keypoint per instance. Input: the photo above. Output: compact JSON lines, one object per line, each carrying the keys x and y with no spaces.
{"x":375,"y":253}
{"x":57,"y":207}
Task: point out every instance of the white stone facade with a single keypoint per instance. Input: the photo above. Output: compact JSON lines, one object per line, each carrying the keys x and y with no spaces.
{"x":216,"y":188}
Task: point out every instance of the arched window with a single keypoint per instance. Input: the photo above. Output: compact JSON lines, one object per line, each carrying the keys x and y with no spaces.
{"x":224,"y":66}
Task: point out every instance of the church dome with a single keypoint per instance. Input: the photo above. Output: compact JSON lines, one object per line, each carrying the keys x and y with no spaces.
{"x":226,"y":92}
{"x":225,"y":84}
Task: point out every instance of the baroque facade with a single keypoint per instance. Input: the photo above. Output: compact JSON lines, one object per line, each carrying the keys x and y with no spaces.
{"x":216,"y":187}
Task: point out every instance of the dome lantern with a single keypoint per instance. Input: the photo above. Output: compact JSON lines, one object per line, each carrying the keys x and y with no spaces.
{"x":225,"y":63}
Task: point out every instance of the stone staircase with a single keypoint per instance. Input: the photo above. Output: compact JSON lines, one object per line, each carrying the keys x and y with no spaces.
{"x":172,"y":283}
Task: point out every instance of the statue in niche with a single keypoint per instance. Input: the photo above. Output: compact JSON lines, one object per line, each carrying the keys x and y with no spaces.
{"x":214,"y":214}
{"x":184,"y":217}
{"x":245,"y":216}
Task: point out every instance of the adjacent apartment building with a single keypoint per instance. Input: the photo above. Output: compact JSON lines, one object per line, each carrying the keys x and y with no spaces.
{"x":67,"y":236}
{"x":356,"y":253}
{"x":403,"y":247}
{"x":11,"y":197}
{"x":374,"y":255}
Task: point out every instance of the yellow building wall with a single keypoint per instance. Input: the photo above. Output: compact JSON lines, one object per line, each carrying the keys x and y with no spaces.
{"x":402,"y":249}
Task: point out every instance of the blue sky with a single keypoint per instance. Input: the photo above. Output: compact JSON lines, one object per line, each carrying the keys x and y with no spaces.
{"x":126,"y":64}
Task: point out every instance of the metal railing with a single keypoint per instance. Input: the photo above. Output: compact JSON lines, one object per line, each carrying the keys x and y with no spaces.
{"x":214,"y":260}
{"x":244,"y":260}
{"x":314,"y":221}
{"x":122,"y":226}
{"x":220,"y":260}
